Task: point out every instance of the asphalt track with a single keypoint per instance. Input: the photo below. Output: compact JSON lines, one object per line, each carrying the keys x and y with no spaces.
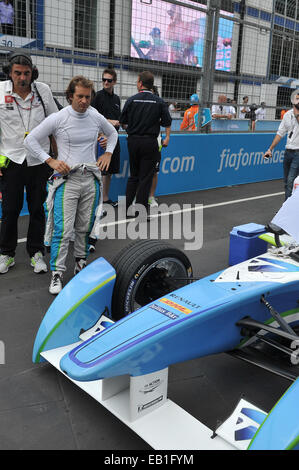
{"x":41,"y":409}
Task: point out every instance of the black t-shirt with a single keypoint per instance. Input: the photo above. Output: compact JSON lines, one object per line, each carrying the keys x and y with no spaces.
{"x":107,"y":104}
{"x":144,"y":113}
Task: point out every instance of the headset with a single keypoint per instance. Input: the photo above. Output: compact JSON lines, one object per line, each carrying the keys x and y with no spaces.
{"x":8,"y":65}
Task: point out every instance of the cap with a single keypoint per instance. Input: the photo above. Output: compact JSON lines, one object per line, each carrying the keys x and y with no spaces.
{"x":155,"y":32}
{"x":194,"y":99}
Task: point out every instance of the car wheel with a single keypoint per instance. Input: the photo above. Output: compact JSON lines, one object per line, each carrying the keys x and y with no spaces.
{"x":145,"y":271}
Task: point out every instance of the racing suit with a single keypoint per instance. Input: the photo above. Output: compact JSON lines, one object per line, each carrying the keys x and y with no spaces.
{"x":190,"y":120}
{"x":77,"y":195}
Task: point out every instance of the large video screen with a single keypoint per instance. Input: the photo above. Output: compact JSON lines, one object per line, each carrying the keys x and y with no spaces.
{"x":175,"y":34}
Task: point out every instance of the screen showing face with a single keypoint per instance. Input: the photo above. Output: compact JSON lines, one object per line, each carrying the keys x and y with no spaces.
{"x":175,"y":34}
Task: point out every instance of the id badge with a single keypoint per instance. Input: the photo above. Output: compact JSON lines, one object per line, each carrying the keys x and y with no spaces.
{"x":4,"y":161}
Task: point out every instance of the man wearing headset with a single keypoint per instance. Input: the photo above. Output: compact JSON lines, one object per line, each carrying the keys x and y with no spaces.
{"x":24,"y":104}
{"x":290,"y":126}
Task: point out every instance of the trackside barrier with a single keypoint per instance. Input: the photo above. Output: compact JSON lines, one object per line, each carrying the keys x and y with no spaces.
{"x":234,"y":125}
{"x":193,"y":162}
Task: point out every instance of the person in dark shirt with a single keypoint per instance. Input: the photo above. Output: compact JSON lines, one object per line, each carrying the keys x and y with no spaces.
{"x":107,"y":103}
{"x":142,"y":116}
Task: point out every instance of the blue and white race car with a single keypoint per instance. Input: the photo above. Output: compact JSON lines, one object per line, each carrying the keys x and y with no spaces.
{"x":144,"y":311}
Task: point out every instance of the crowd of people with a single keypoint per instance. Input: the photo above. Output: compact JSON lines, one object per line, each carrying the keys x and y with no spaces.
{"x":225,"y":108}
{"x":54,"y":156}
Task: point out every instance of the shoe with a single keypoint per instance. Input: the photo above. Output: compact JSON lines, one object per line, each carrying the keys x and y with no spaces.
{"x":6,"y":262}
{"x":37,"y":262}
{"x":92,"y":244}
{"x":56,"y":283}
{"x":153,"y":202}
{"x":112,"y":203}
{"x":80,"y":264}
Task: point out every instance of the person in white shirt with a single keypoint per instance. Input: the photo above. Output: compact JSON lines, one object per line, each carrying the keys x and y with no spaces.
{"x":232,"y":108}
{"x":244,"y":108}
{"x":76,"y":189}
{"x":24,"y":103}
{"x":261,"y":112}
{"x":222,"y":110}
{"x":290,"y":126}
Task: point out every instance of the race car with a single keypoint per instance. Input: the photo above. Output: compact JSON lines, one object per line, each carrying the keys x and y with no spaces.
{"x":144,"y":311}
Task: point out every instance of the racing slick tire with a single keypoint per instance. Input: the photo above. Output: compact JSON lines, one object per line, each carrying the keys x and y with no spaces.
{"x":145,"y":271}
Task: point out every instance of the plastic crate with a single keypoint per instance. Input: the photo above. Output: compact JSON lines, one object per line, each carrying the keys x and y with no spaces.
{"x":245,"y":244}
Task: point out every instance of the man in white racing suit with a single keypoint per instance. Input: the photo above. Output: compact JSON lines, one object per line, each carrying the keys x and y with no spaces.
{"x":77,"y":175}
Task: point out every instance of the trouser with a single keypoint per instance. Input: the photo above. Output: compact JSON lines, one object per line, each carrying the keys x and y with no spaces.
{"x":144,"y":155}
{"x":15,"y":178}
{"x":75,"y":203}
{"x":290,"y":170}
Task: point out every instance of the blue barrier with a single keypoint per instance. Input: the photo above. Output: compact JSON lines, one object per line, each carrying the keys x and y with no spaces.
{"x":267,"y":125}
{"x":195,"y":162}
{"x":236,"y":125}
{"x":233,"y":125}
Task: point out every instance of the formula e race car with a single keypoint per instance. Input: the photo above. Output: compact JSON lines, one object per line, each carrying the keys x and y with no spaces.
{"x":116,"y":328}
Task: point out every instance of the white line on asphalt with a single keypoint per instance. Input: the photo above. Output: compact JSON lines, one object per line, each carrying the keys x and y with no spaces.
{"x":198,"y":207}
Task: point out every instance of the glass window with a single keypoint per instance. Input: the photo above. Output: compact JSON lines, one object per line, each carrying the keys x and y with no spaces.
{"x":283,"y":100}
{"x":85,"y":23}
{"x":286,"y":56}
{"x":280,"y":6}
{"x":18,"y":18}
{"x":295,"y":64}
{"x":291,"y":8}
{"x":276,"y":55}
{"x":179,"y":87}
{"x":227,"y":5}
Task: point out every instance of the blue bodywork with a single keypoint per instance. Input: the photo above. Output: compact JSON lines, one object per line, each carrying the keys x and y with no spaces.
{"x":77,"y":308}
{"x":197,"y":320}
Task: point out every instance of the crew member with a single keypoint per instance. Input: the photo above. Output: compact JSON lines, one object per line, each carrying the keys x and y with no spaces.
{"x":107,"y":103}
{"x":23,"y":105}
{"x":290,"y":126}
{"x":143,"y":115}
{"x":190,"y":120}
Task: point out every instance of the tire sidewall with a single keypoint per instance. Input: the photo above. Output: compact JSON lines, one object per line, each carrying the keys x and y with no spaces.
{"x":150,"y":262}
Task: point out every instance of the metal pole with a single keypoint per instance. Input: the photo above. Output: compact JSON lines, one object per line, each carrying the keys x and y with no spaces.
{"x":28,"y":20}
{"x":208,"y":69}
{"x":270,"y":43}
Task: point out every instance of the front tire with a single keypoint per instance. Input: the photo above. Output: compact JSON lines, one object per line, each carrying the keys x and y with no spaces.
{"x":145,"y":271}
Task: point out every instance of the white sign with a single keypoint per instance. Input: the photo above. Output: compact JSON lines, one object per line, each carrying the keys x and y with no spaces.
{"x":13,"y":41}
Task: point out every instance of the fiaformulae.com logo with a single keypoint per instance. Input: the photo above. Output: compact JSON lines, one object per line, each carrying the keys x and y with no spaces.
{"x":164,"y":222}
{"x":240,"y":159}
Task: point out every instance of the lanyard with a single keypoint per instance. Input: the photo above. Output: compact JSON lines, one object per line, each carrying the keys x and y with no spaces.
{"x":26,"y":109}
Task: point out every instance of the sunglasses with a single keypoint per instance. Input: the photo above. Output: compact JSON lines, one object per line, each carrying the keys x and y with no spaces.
{"x":109,"y":80}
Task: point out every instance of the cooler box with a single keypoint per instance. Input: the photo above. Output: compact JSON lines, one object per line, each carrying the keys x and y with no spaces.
{"x":245,"y":244}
